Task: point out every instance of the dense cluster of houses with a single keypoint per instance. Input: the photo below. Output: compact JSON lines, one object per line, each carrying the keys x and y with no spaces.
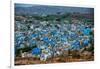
{"x":52,"y":38}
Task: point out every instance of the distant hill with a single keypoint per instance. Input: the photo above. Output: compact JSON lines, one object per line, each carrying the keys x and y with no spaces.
{"x":29,"y":9}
